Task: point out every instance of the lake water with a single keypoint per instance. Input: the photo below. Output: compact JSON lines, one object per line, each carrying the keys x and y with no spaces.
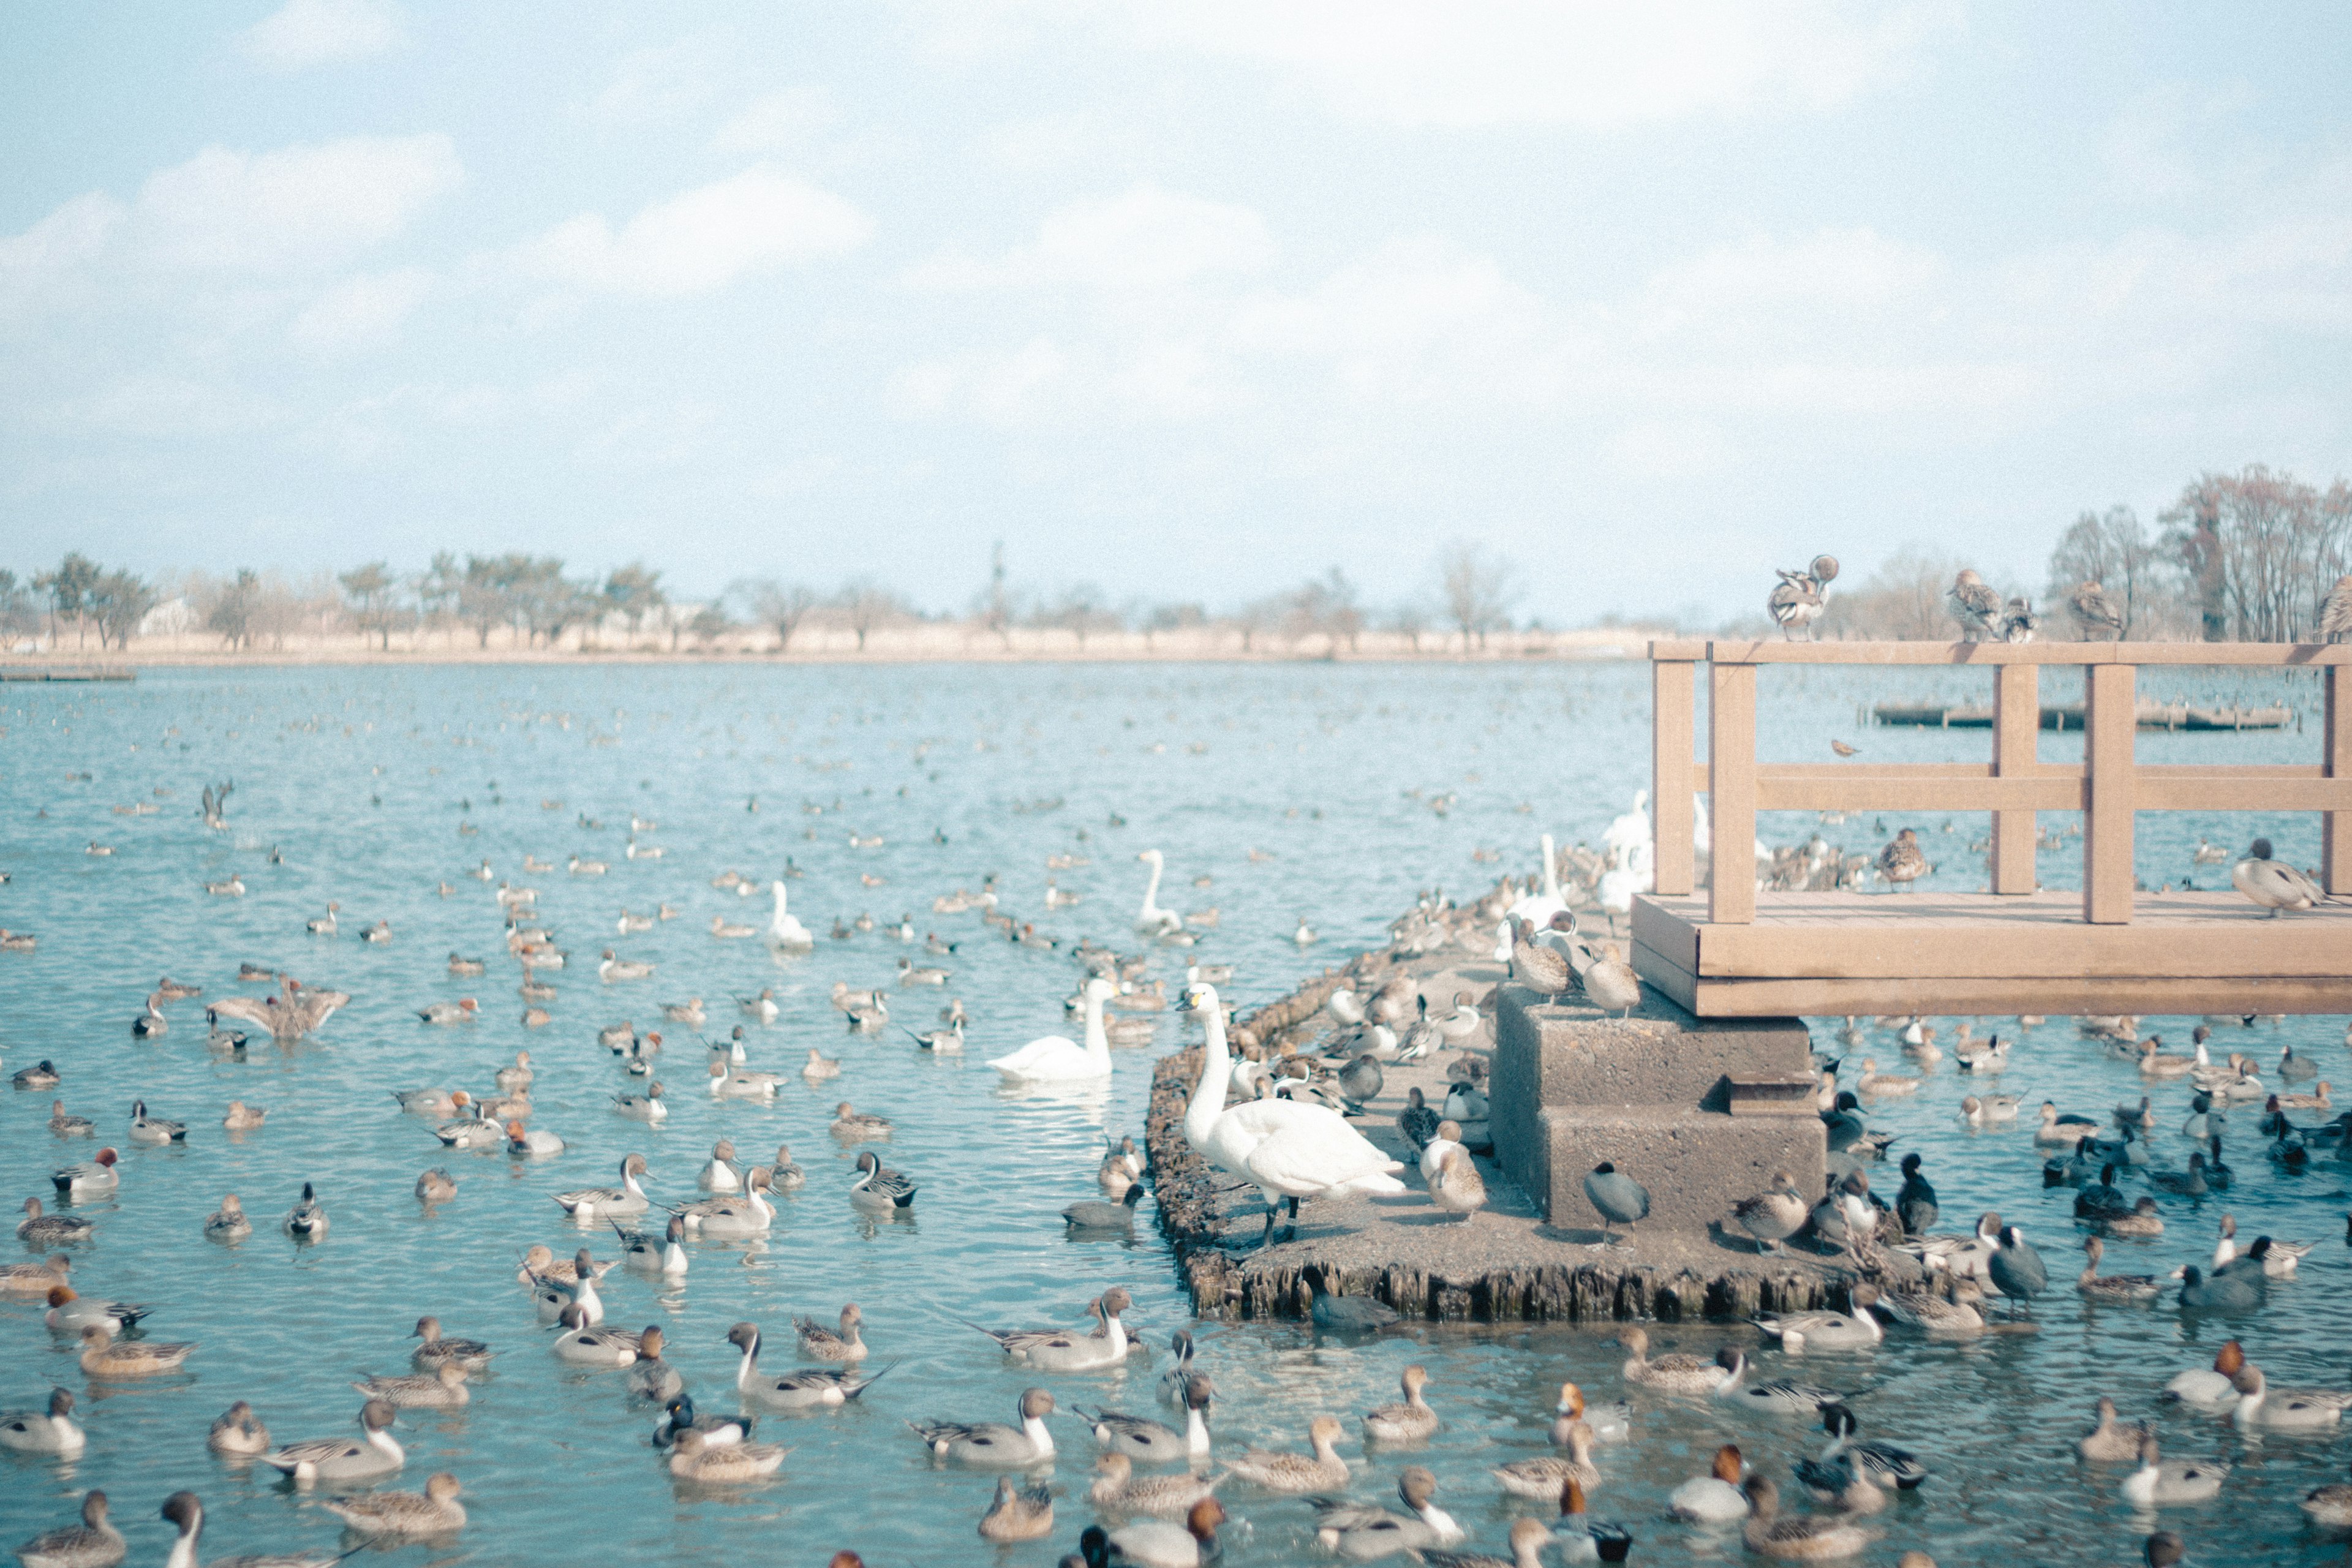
{"x":1331,"y":792}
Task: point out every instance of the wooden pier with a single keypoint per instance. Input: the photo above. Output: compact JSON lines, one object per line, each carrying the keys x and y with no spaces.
{"x":2172,"y":716}
{"x":1732,"y":952}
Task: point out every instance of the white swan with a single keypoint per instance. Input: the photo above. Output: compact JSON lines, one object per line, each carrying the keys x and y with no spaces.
{"x":1056,"y":1058}
{"x":1287,"y":1149}
{"x":784,"y":929}
{"x":1630,"y":873}
{"x":1535,"y":909}
{"x":1152,"y":919}
{"x":1631,"y":829}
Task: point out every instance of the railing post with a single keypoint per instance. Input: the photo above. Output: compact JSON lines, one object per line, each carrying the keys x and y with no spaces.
{"x":2016,"y":743}
{"x":2109,"y":726}
{"x":1731,"y":795}
{"x":2335,"y":827}
{"x":1673,"y":695}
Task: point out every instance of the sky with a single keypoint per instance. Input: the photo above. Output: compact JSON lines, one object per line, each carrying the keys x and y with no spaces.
{"x":1188,"y":301}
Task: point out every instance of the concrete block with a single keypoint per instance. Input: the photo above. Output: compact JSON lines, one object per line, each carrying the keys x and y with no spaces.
{"x":1696,"y":1164}
{"x":1569,"y":1053}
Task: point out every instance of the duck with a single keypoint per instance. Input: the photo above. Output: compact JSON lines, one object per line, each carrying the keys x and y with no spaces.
{"x":2298,"y":1409}
{"x":1669,"y":1373}
{"x":97,"y":1175}
{"x":747,"y":1214}
{"x":651,"y":1377}
{"x":851,"y":1126}
{"x":531,"y":1141}
{"x":1279,"y":1470}
{"x":585,"y":1345}
{"x":613,"y":967}
{"x":2158,"y":1484}
{"x":238,"y":1433}
{"x":1409,"y":1421}
{"x":433,"y":1512}
{"x":433,"y":1352}
{"x":878,"y":1189}
{"x":1885,"y":1464}
{"x":154,"y":1129}
{"x":799,"y":1389}
{"x":649,"y":1254}
{"x":2214,"y":1387}
{"x":1118,"y":1489}
{"x":2114,"y":1287}
{"x":1714,"y":1497}
{"x":992,"y":1443}
{"x":554,"y":1295}
{"x":65,"y":1126}
{"x":93,"y":1544}
{"x":307,"y":1220}
{"x":2273,"y":884}
{"x":785,"y":1175}
{"x":375,"y":1453}
{"x":2141,"y":1220}
{"x":463,"y":1011}
{"x":694,"y":1457}
{"x":2062,"y":1130}
{"x":1150,"y":1442}
{"x":1607,"y":1423}
{"x":41,"y":1075}
{"x":740,"y":1084}
{"x":183,"y":1509}
{"x":69,"y":1311}
{"x":1157,"y":1543}
{"x":1543,"y":1475}
{"x":1804,"y":1538}
{"x":150,"y":1023}
{"x":51,"y":1431}
{"x":38,"y":1229}
{"x":1289,"y":1150}
{"x":1024,"y":1514}
{"x":648,"y":1107}
{"x":2110,"y":1441}
{"x":242,"y":1118}
{"x":1362,"y":1534}
{"x":820,"y":1341}
{"x":720,"y":1175}
{"x":1777,"y":1394}
{"x":2278,"y":1259}
{"x":443,"y":1388}
{"x":1826,"y":1331}
{"x":1773,"y":1215}
{"x":678,"y":1417}
{"x":2329,"y":1507}
{"x":821,"y":1067}
{"x":1065,"y":1350}
{"x":594,"y":1203}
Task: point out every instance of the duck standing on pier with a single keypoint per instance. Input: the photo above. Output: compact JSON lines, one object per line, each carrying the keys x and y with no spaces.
{"x":2274,"y":884}
{"x":1797,"y":602}
{"x":1975,"y":604}
{"x":2095,"y":615}
{"x":1903,"y":862}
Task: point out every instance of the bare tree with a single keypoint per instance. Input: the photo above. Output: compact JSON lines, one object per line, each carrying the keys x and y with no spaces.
{"x":1161,"y":618}
{"x":118,"y":601}
{"x":1902,"y":601}
{"x":1409,"y":620}
{"x":229,"y":607}
{"x":636,"y":592}
{"x":709,"y":624}
{"x":1079,"y":610}
{"x":780,"y":607}
{"x":2113,"y":549}
{"x":486,"y":593}
{"x":866,"y":605}
{"x":67,"y":589}
{"x":1478,"y":591}
{"x":1256,"y":618}
{"x":369,"y":589}
{"x":2263,"y":549}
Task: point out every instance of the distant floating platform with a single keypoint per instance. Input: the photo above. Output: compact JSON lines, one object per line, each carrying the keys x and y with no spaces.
{"x":2069,"y":716}
{"x":67,"y":672}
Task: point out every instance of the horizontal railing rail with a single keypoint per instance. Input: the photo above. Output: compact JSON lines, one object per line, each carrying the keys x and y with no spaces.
{"x":2109,"y":786}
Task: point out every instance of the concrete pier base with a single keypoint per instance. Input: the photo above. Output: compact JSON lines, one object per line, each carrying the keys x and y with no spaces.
{"x":1701,"y":1112}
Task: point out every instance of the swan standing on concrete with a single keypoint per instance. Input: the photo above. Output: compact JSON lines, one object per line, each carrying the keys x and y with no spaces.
{"x":785,"y":929}
{"x":1289,"y":1150}
{"x":1056,"y":1058}
{"x":1152,"y":919}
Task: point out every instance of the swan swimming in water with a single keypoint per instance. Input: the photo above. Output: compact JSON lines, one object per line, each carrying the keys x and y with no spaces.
{"x":1152,"y":919}
{"x":1056,"y":1058}
{"x":785,"y":929}
{"x":1287,"y":1149}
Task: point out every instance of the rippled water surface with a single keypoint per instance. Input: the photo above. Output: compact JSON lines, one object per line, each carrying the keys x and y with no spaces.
{"x":1331,"y":792}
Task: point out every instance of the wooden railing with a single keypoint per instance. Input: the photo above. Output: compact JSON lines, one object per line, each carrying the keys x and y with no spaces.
{"x":2108,"y":786}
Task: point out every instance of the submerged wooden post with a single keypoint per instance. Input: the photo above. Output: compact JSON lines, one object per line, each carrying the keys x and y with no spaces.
{"x":2335,"y":827}
{"x":2016,"y":739}
{"x":1731,"y":793}
{"x":1673,"y":697}
{"x":2110,"y":724}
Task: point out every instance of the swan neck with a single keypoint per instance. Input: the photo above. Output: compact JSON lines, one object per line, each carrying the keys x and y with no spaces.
{"x":1097,"y":1037}
{"x":1151,"y":892}
{"x":1208,"y":1101}
{"x":1552,"y":871}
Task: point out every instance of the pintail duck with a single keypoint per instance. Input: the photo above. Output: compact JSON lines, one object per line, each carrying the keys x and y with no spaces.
{"x":821,"y":1067}
{"x":2329,"y":1506}
{"x":1832,"y":1331}
{"x":689,"y":1011}
{"x":97,"y":1175}
{"x":1279,"y":1471}
{"x":146,"y":1129}
{"x":2112,"y":1287}
{"x":102,"y":1356}
{"x":721,"y":1176}
{"x":747,"y":1214}
{"x":612,"y":967}
{"x":878,"y":1188}
{"x":150,"y":1023}
{"x":1018,"y":1515}
{"x":762,"y":1006}
{"x":694,"y":1457}
{"x":738,"y":1084}
{"x":823,"y":1344}
{"x":2298,"y":1409}
{"x":554,"y":1297}
{"x":435,"y":1352}
{"x":2273,"y":884}
{"x":1675,"y":1374}
{"x":1777,"y":1394}
{"x":649,"y":1254}
{"x":584,"y":1344}
{"x":66,"y":1126}
{"x":1362,"y":1534}
{"x":53,"y":1431}
{"x":442,"y":1388}
{"x":1151,"y":1442}
{"x":1118,"y":1489}
{"x":242,"y":1118}
{"x":38,"y":1229}
{"x":435,"y":1186}
{"x":473,"y":1130}
{"x":375,"y":1453}
{"x":228,"y":1223}
{"x":238,"y":1432}
{"x":785,"y":1175}
{"x":1157,"y":1543}
{"x":1803,"y":1538}
{"x":93,"y":1544}
{"x":1065,"y":1350}
{"x":34,"y":1278}
{"x":603,"y":1203}
{"x":1716,"y":1496}
{"x":2159,"y":1483}
{"x":1543,"y":1475}
{"x":2111,"y":1441}
{"x":992,"y":1442}
{"x":1411,"y":1421}
{"x":799,"y":1389}
{"x":307,"y":1220}
{"x":1773,"y":1216}
{"x":183,"y":1509}
{"x":435,"y":1511}
{"x":651,"y":1377}
{"x":1886,"y":1464}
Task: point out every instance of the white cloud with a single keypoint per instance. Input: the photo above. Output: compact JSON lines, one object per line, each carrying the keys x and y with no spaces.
{"x":58,"y":247}
{"x":1147,"y":238}
{"x":662,"y":82}
{"x":306,"y":33}
{"x":784,"y":122}
{"x":297,"y":208}
{"x":1837,"y":280}
{"x":700,"y":240}
{"x":360,"y":312}
{"x":163,"y":403}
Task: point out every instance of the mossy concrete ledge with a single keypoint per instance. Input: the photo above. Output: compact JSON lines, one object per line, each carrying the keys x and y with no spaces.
{"x":1530,"y":1255}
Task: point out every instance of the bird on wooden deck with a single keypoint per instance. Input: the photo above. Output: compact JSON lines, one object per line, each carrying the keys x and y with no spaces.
{"x":2274,"y":884}
{"x":1797,"y":602}
{"x":2096,"y":615}
{"x":2336,"y":615}
{"x":1975,"y":604}
{"x":2018,"y":621}
{"x":1903,"y":862}
{"x":1842,"y":750}
{"x":1620,"y":1199}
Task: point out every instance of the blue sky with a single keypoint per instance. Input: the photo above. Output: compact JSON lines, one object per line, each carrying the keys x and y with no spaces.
{"x":1188,"y":300}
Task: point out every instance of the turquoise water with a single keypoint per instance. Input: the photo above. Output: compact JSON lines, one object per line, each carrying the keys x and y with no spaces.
{"x":1323,"y":792}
